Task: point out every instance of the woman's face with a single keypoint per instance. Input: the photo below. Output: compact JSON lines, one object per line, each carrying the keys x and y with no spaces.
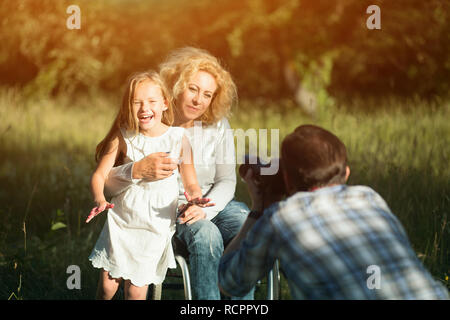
{"x":197,"y":96}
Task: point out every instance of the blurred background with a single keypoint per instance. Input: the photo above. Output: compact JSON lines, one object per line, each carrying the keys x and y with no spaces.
{"x":384,"y":92}
{"x":268,"y":45}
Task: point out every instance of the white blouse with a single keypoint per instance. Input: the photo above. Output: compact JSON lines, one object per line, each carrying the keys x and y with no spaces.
{"x":214,"y":162}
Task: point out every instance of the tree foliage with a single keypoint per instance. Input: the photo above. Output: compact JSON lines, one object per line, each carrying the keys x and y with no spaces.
{"x":258,"y":40}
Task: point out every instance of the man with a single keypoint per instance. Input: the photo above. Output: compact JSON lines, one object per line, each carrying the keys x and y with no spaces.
{"x":333,"y":241}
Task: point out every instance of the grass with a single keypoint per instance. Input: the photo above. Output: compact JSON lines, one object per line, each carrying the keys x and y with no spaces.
{"x":401,"y":151}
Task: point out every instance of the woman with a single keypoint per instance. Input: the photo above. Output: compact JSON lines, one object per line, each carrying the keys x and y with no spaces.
{"x":203,"y":93}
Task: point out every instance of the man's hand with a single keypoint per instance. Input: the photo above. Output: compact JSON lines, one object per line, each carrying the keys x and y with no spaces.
{"x":155,"y":166}
{"x":254,"y":189}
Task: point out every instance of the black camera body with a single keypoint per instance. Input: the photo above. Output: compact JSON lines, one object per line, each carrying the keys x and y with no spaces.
{"x":272,"y":185}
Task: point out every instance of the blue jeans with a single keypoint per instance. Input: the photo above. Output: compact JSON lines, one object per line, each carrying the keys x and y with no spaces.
{"x":205,"y":241}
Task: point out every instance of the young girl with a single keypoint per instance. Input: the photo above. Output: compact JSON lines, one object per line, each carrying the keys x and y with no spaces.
{"x":135,"y":243}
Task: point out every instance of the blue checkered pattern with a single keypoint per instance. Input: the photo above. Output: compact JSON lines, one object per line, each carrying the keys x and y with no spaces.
{"x":328,"y":243}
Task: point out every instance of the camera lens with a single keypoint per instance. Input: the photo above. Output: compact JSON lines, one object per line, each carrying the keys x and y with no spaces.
{"x":243,"y":168}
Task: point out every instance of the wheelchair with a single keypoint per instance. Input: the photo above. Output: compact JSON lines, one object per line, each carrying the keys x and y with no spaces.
{"x":182,"y":258}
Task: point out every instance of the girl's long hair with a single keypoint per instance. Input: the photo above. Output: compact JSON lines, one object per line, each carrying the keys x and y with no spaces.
{"x":125,"y":118}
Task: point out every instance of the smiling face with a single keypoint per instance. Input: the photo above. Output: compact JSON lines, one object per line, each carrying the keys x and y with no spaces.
{"x":197,"y":97}
{"x":148,"y":106}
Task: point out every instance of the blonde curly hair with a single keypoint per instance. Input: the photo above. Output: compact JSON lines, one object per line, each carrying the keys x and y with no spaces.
{"x":182,"y":64}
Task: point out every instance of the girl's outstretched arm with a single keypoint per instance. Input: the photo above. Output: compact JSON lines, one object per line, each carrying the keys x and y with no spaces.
{"x":191,"y":211}
{"x":99,"y":177}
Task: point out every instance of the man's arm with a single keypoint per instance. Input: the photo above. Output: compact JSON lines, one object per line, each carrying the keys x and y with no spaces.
{"x":250,"y":257}
{"x":251,"y":253}
{"x":256,"y":211}
{"x":235,"y":243}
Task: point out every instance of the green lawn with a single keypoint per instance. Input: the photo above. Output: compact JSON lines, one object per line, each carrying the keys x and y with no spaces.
{"x":48,"y":156}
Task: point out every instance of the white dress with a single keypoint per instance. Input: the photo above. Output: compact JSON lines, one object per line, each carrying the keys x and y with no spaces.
{"x":214,"y":161}
{"x":135,"y":242}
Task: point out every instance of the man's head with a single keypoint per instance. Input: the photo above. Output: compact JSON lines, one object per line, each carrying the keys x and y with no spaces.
{"x":312,"y":158}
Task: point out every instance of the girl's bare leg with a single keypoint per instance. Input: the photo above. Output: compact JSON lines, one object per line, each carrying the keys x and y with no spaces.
{"x":107,"y":286}
{"x":133,"y":292}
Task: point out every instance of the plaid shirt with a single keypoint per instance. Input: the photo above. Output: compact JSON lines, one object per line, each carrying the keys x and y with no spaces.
{"x":334,"y":243}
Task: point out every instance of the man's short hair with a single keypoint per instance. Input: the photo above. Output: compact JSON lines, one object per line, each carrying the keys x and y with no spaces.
{"x":313,"y":157}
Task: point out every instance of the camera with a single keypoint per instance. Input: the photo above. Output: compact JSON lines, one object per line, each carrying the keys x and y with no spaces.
{"x":271,"y":185}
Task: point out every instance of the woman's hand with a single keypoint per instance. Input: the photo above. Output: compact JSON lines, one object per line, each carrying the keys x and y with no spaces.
{"x":192,"y":214}
{"x":101,"y":206}
{"x":192,"y":211}
{"x":155,"y":166}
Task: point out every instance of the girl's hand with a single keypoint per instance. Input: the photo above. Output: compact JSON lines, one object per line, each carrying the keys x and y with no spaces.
{"x":201,"y":202}
{"x":101,"y":206}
